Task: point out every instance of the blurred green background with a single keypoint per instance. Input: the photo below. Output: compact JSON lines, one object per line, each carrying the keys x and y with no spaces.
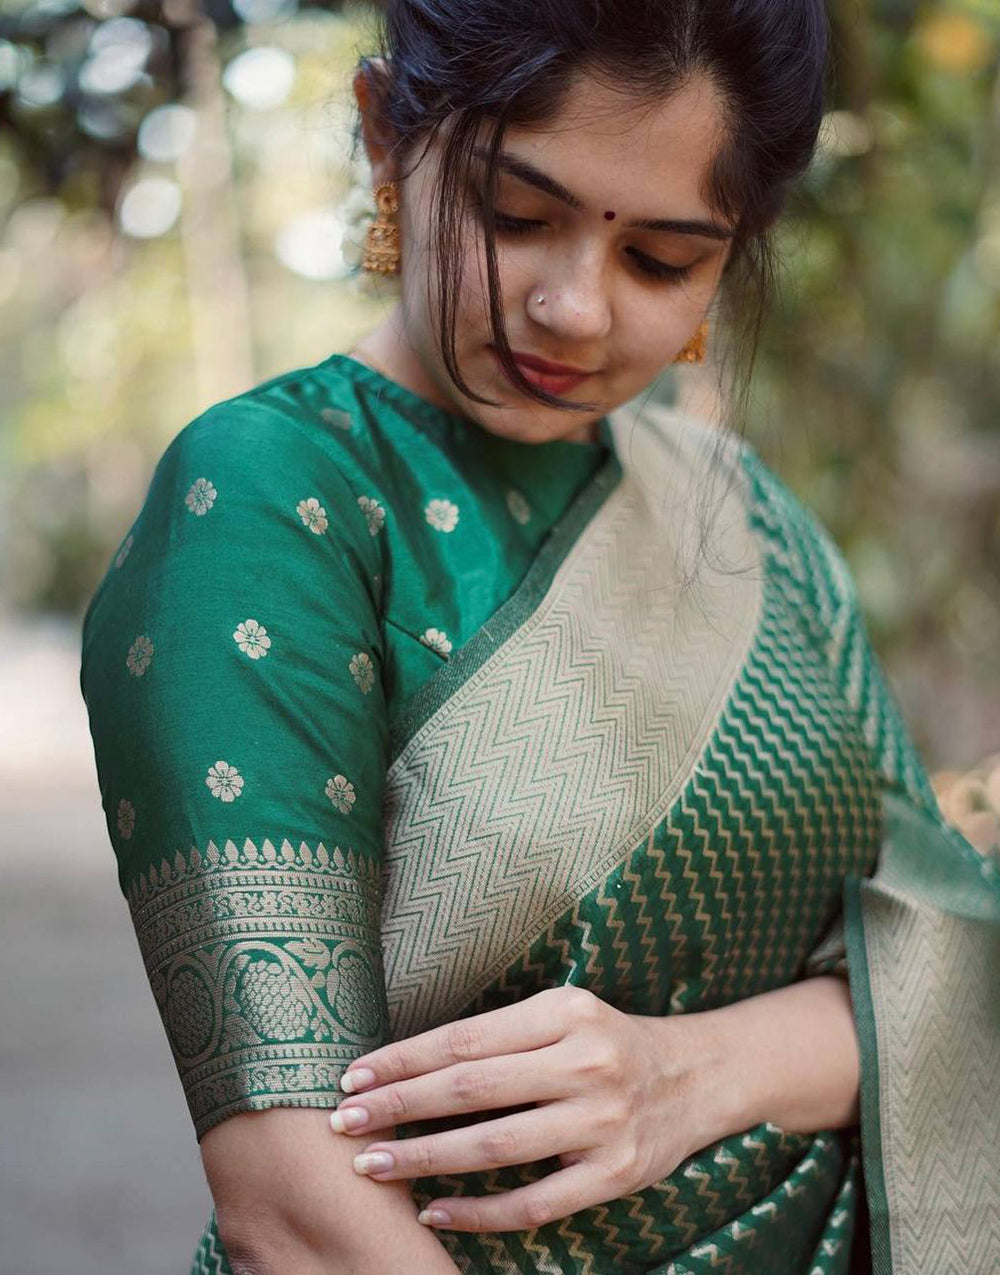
{"x":172,"y":187}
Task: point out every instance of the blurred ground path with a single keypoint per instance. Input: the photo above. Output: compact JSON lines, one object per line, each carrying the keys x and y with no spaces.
{"x":99,"y":1168}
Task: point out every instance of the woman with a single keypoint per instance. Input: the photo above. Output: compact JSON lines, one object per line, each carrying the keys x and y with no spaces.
{"x":492,"y":754}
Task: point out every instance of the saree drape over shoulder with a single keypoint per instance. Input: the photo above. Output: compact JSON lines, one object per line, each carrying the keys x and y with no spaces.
{"x":397,"y":722}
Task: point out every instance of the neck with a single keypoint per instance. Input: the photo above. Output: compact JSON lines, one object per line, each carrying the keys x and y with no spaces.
{"x":388,"y":352}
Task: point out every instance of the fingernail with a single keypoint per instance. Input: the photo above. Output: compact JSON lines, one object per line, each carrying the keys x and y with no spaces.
{"x":352,"y":1081}
{"x":434,"y":1217}
{"x":349,"y":1118}
{"x":373,"y":1161}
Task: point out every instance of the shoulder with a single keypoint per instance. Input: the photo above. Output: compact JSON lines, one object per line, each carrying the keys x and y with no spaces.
{"x":295,"y":450}
{"x":276,"y":474}
{"x":648,"y":430}
{"x":308,"y":419}
{"x":800,"y":554}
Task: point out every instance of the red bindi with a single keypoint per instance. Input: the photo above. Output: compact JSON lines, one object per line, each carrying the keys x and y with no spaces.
{"x":609,"y":216}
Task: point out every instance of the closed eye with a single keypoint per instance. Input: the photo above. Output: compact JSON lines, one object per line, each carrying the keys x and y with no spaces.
{"x":515,"y":225}
{"x":651,"y":267}
{"x":656,"y":269}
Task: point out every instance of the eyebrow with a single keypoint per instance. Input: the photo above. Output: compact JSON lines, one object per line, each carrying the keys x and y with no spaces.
{"x":526,"y":172}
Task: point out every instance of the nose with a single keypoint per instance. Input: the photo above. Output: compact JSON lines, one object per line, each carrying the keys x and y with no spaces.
{"x":577,"y":305}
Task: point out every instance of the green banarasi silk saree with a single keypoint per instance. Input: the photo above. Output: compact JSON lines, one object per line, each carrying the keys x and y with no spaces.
{"x":397,"y":722}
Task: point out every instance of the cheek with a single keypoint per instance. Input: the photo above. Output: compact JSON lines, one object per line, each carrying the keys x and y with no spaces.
{"x":422,"y":300}
{"x":657,"y":326}
{"x":474,"y":303}
{"x":648,"y":332}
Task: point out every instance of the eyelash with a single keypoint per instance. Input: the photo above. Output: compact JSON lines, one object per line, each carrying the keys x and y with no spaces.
{"x":650,"y":267}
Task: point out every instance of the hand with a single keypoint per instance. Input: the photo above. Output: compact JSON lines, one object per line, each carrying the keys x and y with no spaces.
{"x":622,"y":1102}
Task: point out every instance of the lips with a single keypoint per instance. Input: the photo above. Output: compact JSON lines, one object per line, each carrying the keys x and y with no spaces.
{"x":554,"y":378}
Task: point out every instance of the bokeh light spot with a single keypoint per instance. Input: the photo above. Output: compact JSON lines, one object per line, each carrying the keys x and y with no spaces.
{"x":150,"y":207}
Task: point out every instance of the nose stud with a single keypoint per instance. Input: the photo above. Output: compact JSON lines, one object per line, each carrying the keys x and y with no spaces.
{"x":540,"y":299}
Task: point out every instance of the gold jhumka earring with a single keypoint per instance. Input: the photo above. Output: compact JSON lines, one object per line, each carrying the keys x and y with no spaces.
{"x":694,"y":350}
{"x":382,"y":240}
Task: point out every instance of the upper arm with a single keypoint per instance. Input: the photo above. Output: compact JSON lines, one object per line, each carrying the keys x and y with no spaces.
{"x":815,"y":575}
{"x":232,"y":673}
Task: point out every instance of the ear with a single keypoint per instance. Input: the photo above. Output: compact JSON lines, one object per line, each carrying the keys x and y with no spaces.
{"x":370,"y":81}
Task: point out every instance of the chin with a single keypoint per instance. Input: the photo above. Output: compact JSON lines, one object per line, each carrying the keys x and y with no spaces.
{"x":546,"y":426}
{"x":516,"y":417}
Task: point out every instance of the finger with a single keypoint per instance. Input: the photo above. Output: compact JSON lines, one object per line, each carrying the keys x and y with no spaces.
{"x":556,"y":1196}
{"x":529,"y":1024}
{"x":505,"y":1081}
{"x":517,"y":1139}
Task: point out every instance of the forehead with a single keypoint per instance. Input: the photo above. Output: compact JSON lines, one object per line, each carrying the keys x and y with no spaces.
{"x":646,"y":159}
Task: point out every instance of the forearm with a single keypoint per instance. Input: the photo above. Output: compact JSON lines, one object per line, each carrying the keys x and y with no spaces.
{"x":789,"y":1056}
{"x":386,"y":1237}
{"x":271,"y":1250}
{"x":288,"y":1199}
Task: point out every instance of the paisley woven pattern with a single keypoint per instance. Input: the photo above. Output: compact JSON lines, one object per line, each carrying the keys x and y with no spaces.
{"x":285,"y":994}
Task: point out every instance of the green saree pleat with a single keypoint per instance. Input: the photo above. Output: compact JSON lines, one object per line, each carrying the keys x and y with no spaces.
{"x":535,"y":729}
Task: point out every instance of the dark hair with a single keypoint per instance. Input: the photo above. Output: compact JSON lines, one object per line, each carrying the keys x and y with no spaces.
{"x":502,"y":62}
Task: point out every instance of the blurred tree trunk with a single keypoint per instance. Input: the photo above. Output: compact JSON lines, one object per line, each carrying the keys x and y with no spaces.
{"x":218,"y":294}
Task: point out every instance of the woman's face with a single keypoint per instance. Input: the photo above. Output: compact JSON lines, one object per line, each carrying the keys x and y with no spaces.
{"x":595,"y":276}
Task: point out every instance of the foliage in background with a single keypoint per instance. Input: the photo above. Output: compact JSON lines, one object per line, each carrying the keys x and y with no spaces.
{"x":172,"y":200}
{"x":971,"y":802}
{"x":879,"y":390}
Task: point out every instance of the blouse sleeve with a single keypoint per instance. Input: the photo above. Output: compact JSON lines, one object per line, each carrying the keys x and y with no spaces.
{"x":231,"y":667}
